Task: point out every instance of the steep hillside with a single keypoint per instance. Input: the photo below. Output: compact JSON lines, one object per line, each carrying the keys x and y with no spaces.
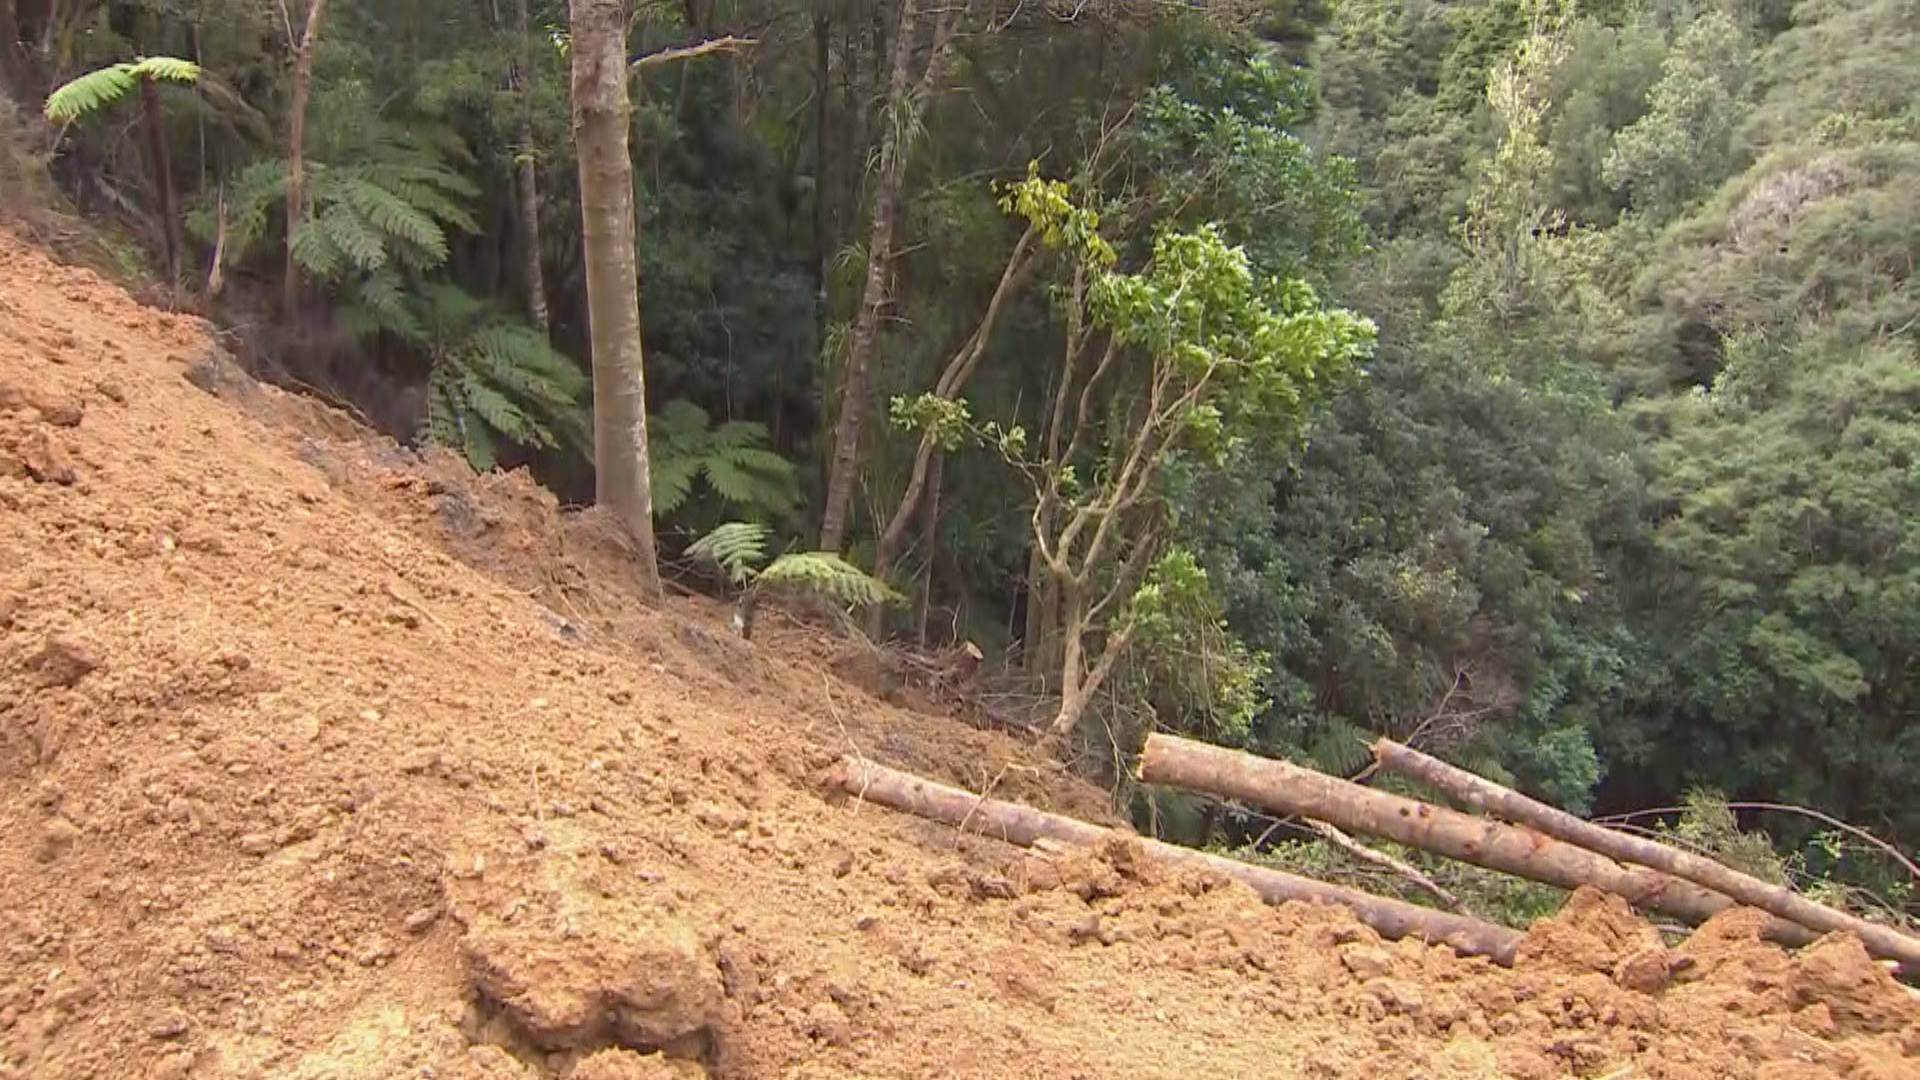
{"x":321,"y":759}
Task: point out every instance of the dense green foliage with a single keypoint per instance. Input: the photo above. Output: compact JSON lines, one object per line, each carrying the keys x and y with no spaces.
{"x":1559,"y":401}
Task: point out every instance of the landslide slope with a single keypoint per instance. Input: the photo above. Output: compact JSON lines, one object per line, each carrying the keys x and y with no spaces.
{"x":321,"y":758}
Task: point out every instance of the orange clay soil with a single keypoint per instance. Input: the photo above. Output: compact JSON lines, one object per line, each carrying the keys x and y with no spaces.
{"x":322,"y":759}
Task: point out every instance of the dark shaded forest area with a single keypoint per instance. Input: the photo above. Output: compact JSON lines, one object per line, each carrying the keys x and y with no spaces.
{"x":1534,"y":383}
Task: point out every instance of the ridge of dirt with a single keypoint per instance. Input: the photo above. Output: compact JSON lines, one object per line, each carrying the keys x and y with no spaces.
{"x":324,"y":759}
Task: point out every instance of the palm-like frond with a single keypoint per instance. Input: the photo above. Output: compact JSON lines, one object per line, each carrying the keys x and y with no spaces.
{"x":732,"y":458}
{"x":823,"y":573}
{"x":734,"y":548}
{"x":103,"y":86}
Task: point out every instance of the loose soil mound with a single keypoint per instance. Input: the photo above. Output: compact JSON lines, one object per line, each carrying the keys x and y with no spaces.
{"x":323,"y":759}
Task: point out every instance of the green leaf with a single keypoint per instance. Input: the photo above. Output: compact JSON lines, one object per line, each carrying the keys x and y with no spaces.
{"x":99,"y":88}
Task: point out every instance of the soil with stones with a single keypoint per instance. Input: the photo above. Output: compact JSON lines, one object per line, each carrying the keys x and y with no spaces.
{"x":321,"y":758}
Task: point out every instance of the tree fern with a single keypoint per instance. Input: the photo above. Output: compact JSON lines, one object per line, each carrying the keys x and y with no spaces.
{"x":735,"y":547}
{"x":732,"y":459}
{"x":102,"y":87}
{"x":492,"y":378}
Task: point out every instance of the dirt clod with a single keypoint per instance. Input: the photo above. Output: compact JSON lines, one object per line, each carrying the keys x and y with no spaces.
{"x":61,"y":662}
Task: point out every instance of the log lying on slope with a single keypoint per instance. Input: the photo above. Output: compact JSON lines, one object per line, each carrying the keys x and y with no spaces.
{"x":1283,"y":788}
{"x":1023,"y":825}
{"x":1490,"y":798}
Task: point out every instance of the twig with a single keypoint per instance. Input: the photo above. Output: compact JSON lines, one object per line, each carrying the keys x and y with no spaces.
{"x":727,"y":44}
{"x":1380,"y":858}
{"x":419,"y":607}
{"x":1784,"y":808}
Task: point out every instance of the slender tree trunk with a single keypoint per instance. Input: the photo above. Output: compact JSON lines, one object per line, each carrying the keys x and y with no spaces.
{"x":601,"y":117}
{"x":851,"y":423}
{"x":1043,"y":616}
{"x":162,"y":176}
{"x":895,"y":152}
{"x":1283,"y":788}
{"x":822,"y":182}
{"x":1023,"y":825}
{"x":526,"y":179}
{"x":1490,"y":798}
{"x":297,"y":148}
{"x":930,"y":548}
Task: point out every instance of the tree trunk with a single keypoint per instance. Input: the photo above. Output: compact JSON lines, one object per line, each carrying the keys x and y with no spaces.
{"x":895,"y":152}
{"x":162,"y":176}
{"x":297,"y":149}
{"x":526,"y":180}
{"x":1043,"y":618}
{"x":1072,"y":626}
{"x":851,"y":422}
{"x":1024,"y":825}
{"x":822,"y":154}
{"x":1281,"y":788}
{"x":929,"y":547}
{"x":11,"y":74}
{"x":1490,"y":798}
{"x":601,"y":115}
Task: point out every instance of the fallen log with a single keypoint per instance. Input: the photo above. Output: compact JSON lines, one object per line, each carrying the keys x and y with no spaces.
{"x":1027,"y":827}
{"x":1283,"y":788}
{"x":1488,"y":797}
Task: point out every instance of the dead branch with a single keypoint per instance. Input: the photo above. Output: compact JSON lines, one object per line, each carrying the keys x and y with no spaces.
{"x":727,"y":44}
{"x":1381,"y":859}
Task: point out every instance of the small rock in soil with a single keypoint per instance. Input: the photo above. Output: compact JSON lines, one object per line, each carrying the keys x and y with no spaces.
{"x":170,"y":1026}
{"x":61,"y":662}
{"x":47,"y":460}
{"x":1367,"y":961}
{"x":418,"y":920}
{"x":61,"y":411}
{"x":56,"y":836}
{"x":257,"y":843}
{"x":827,"y":1023}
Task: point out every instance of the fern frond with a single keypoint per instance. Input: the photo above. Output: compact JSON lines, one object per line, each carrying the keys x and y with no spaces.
{"x":680,"y":426}
{"x":384,"y":298}
{"x":166,"y":69}
{"x":501,"y":413}
{"x":354,"y":239}
{"x":733,"y":547}
{"x":102,"y":87}
{"x":519,"y":359}
{"x":826,"y":574}
{"x":443,"y":418}
{"x":672,"y":479}
{"x":1341,"y":747}
{"x":393,"y":216}
{"x":316,"y":253}
{"x":478,"y":444}
{"x":743,"y":487}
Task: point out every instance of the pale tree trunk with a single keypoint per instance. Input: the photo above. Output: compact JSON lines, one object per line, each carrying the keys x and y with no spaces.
{"x":526,"y":179}
{"x":953,"y":379}
{"x":1491,"y":798}
{"x":895,"y":152}
{"x":1026,"y":826}
{"x":929,"y":547}
{"x":1283,"y":788}
{"x":297,"y":147}
{"x":162,"y":176}
{"x":601,"y":115}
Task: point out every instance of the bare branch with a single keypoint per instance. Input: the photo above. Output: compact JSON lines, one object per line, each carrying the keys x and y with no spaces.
{"x":1381,"y":859}
{"x":727,"y":44}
